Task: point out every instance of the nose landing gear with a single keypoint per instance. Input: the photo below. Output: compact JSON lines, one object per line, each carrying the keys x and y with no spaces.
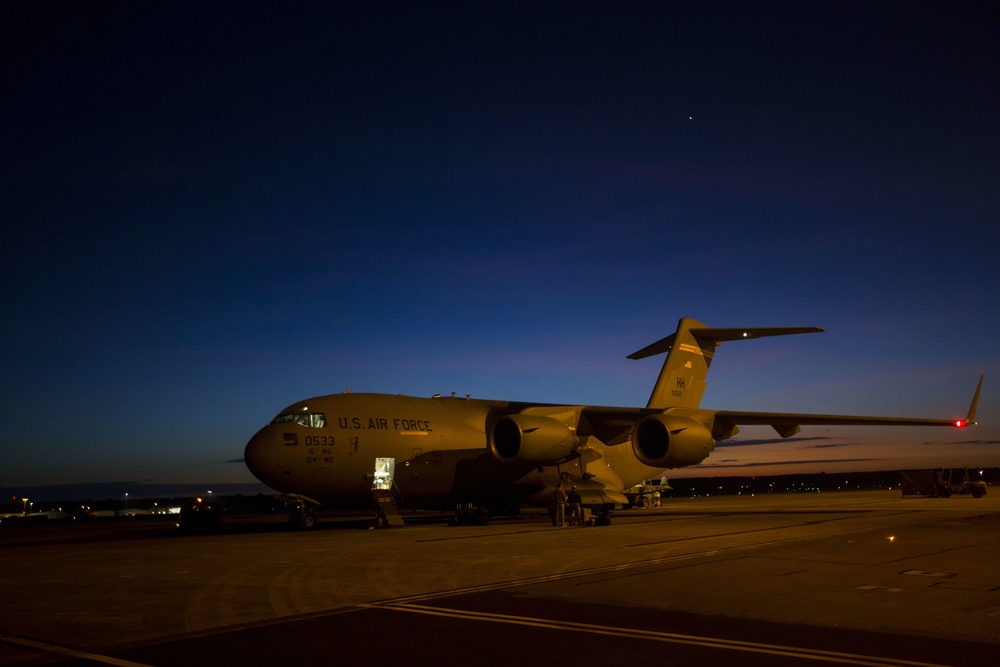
{"x":303,"y":519}
{"x":303,"y":512}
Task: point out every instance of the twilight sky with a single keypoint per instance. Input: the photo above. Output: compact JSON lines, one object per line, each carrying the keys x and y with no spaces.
{"x":213,"y":210}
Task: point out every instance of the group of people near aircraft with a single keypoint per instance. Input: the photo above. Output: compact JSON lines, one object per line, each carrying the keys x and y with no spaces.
{"x":560,"y":500}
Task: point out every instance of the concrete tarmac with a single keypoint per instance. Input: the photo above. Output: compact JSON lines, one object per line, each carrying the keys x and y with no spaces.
{"x":852,"y":577}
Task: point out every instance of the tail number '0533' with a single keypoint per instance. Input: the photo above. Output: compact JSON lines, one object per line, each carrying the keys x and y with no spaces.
{"x":319,"y":441}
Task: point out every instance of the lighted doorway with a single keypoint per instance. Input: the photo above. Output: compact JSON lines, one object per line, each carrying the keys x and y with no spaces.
{"x":384,"y":469}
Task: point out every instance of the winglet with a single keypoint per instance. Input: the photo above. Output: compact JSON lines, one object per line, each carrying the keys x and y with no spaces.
{"x":970,"y":419}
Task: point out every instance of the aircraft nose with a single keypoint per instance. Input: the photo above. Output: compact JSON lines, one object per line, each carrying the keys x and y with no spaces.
{"x":260,"y":456}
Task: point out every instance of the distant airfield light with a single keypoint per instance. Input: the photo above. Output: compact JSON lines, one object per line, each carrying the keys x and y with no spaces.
{"x":891,"y":538}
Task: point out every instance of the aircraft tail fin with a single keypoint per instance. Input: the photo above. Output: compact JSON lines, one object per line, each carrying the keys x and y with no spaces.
{"x":681,"y":383}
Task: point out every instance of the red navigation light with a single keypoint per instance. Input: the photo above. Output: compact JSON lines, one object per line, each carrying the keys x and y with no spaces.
{"x":959,"y":423}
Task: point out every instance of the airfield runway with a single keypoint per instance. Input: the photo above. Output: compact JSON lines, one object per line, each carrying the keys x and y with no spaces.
{"x":853,"y":577}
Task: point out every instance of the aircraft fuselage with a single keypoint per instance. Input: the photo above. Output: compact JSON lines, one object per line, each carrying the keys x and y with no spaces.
{"x":333,"y":448}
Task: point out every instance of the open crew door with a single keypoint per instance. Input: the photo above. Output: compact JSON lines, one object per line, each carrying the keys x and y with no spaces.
{"x":384,"y":470}
{"x":385,"y":501}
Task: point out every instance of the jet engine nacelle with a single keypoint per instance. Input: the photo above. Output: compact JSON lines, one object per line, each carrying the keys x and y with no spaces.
{"x":531,"y":439}
{"x":669,"y":441}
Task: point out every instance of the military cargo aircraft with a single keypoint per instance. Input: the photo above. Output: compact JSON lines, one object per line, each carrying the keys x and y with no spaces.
{"x":386,"y":453}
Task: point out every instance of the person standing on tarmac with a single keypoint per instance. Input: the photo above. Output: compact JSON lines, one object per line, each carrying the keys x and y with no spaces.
{"x":559,"y":504}
{"x":575,"y":507}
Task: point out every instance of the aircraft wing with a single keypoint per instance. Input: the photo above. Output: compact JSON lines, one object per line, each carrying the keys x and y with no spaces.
{"x":787,"y":424}
{"x":613,"y":426}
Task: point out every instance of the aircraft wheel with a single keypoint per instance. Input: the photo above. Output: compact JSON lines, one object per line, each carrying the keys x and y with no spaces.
{"x":304,"y":520}
{"x":307,"y":521}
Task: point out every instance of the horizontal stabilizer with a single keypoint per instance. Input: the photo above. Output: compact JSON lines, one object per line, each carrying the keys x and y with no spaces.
{"x":689,"y":354}
{"x":720,"y":336}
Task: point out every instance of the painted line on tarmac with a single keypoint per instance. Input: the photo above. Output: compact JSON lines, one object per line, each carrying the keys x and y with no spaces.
{"x":604,"y":569}
{"x":622,"y":567}
{"x":73,"y":653}
{"x":653,"y":635}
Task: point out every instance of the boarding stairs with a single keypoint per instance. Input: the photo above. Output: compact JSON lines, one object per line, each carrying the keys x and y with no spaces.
{"x":385,"y":506}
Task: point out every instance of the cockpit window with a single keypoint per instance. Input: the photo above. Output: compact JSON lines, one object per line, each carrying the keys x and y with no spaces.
{"x":310,"y":419}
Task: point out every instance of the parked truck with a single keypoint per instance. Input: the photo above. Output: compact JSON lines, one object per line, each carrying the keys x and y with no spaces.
{"x":941,"y":483}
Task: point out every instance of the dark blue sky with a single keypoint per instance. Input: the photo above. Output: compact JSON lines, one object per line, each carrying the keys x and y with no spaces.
{"x":214,"y":211}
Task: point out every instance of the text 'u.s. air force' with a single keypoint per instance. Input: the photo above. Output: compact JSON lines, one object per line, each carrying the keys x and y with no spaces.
{"x":384,"y":423}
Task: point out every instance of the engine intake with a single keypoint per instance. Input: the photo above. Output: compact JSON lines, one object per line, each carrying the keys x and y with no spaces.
{"x":531,"y":439}
{"x":669,"y":441}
